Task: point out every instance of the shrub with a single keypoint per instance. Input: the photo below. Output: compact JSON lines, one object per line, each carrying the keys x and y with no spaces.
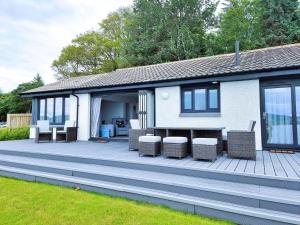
{"x":14,"y":134}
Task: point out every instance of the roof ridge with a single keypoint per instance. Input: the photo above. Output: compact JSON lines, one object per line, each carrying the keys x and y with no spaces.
{"x":211,"y":56}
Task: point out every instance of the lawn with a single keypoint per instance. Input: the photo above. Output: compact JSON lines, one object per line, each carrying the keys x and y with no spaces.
{"x":26,"y":203}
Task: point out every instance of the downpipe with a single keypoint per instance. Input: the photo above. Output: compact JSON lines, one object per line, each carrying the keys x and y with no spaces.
{"x":77,"y":110}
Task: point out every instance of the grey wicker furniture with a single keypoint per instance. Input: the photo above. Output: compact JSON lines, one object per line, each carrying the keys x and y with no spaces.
{"x":43,"y":133}
{"x":149,"y":145}
{"x":68,"y":134}
{"x":175,"y":147}
{"x":134,"y":133}
{"x":204,"y":148}
{"x":241,"y":144}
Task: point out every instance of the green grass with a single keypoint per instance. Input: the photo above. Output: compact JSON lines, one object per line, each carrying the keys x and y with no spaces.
{"x":14,"y":134}
{"x":26,"y":203}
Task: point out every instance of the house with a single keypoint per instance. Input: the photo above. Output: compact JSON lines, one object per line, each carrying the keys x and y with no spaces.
{"x":218,"y":91}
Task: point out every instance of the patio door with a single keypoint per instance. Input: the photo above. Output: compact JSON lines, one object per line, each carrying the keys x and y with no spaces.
{"x":146,"y":108}
{"x":281,"y":116}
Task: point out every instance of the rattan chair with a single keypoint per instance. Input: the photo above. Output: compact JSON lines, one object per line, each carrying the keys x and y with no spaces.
{"x":43,"y":132}
{"x":241,"y":144}
{"x":135,"y":132}
{"x":68,"y":134}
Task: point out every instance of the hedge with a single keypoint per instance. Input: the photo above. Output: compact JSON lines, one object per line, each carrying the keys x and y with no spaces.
{"x":14,"y":134}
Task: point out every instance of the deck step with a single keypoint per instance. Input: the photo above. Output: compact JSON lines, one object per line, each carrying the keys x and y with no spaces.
{"x":230,"y":192}
{"x":237,"y":213}
{"x":263,"y":180}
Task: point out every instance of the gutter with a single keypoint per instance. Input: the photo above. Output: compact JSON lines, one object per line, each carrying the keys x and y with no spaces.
{"x":77,"y":110}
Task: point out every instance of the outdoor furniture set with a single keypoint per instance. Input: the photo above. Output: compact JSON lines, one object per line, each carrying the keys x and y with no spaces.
{"x":44,"y":132}
{"x":204,"y":143}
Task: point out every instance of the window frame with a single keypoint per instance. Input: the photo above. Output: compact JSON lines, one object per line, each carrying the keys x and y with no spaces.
{"x":207,"y":88}
{"x":54,"y":109}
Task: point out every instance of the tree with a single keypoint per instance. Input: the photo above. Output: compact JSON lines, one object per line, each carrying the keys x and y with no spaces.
{"x":240,"y":20}
{"x":161,"y":31}
{"x":280,"y":21}
{"x":93,"y":52}
{"x":13,"y":103}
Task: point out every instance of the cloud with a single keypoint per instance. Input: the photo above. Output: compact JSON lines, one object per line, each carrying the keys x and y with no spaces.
{"x":33,"y":32}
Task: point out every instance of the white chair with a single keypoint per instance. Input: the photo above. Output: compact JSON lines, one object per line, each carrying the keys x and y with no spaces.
{"x":43,"y":131}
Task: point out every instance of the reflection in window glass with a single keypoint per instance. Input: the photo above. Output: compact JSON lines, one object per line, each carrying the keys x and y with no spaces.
{"x":200,"y":99}
{"x":42,"y":109}
{"x":50,"y":106}
{"x":213,"y":99}
{"x":187,"y":100}
{"x":67,"y":108}
{"x":58,"y":110}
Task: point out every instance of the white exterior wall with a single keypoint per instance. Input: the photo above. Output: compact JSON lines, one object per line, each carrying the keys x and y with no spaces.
{"x":83,"y":115}
{"x":240,"y":103}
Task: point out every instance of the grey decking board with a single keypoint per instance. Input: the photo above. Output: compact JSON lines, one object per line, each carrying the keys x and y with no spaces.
{"x":233,"y":164}
{"x":241,"y":166}
{"x":287,"y":167}
{"x":279,"y":170}
{"x":250,"y":167}
{"x":268,"y":164}
{"x":225,"y":164}
{"x":293,"y":164}
{"x":259,"y":166}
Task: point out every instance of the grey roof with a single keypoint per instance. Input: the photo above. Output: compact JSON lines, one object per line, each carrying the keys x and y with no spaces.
{"x":274,"y":58}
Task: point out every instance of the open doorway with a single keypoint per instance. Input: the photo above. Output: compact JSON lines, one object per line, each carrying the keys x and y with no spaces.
{"x":115,"y":112}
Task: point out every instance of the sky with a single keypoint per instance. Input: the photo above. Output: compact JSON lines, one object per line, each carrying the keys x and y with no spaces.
{"x":33,"y":32}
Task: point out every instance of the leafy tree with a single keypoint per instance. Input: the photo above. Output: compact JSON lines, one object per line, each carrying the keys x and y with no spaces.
{"x":280,"y":21}
{"x":161,"y":31}
{"x":239,"y":20}
{"x":95,"y":51}
{"x":13,"y":103}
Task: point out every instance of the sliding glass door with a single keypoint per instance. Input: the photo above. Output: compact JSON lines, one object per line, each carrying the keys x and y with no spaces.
{"x":281,"y":116}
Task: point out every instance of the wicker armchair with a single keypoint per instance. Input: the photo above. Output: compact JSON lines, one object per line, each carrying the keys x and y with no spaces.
{"x":68,"y":134}
{"x":43,"y":132}
{"x":241,"y":144}
{"x":134,"y":133}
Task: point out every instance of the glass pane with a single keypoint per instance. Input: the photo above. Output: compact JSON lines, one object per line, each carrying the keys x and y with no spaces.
{"x":278,"y":109}
{"x":42,"y":109}
{"x":213,"y":99}
{"x":67,"y":108}
{"x":297,"y":93}
{"x":58,"y":110}
{"x":200,"y":99}
{"x":187,"y":100}
{"x":50,"y":105}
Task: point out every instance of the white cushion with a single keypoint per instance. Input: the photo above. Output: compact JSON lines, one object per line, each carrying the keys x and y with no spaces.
{"x":205,"y":141}
{"x":135,"y":124}
{"x":43,"y":125}
{"x":149,"y":139}
{"x":69,"y":123}
{"x":175,"y":140}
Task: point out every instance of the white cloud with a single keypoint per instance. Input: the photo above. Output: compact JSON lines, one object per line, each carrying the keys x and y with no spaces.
{"x":33,"y":32}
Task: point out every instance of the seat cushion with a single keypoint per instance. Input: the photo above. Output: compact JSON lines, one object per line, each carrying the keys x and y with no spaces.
{"x":175,"y":140}
{"x":205,"y":141}
{"x":151,"y":139}
{"x":61,"y":132}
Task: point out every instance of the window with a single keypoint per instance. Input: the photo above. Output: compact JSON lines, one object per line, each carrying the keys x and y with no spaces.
{"x":56,"y":110}
{"x":59,"y":110}
{"x":200,"y":99}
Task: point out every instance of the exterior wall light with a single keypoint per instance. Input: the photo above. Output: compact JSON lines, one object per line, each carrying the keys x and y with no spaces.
{"x":165,"y":95}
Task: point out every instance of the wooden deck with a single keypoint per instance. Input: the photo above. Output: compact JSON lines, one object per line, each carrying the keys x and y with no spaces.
{"x":279,"y":165}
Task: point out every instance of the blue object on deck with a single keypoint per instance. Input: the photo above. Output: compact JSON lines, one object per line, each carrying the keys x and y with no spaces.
{"x":105,"y":133}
